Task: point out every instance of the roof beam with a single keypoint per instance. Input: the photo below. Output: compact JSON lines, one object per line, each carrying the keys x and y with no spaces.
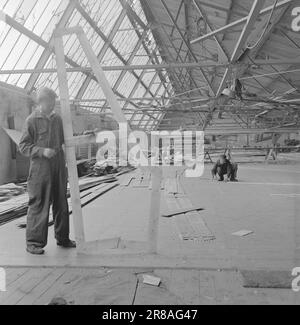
{"x":203,"y":15}
{"x":108,"y":42}
{"x":182,"y":60}
{"x":251,"y":131}
{"x":240,"y":22}
{"x":23,"y":30}
{"x":154,"y":67}
{"x":104,"y":49}
{"x":244,"y":62}
{"x":187,"y":44}
{"x":164,"y":49}
{"x":135,"y":19}
{"x":251,"y":19}
{"x":47,"y":52}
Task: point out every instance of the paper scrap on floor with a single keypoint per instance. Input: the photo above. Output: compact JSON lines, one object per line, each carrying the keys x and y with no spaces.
{"x":151,"y":280}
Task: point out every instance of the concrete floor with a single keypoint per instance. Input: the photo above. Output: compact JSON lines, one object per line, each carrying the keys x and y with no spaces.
{"x":100,"y":286}
{"x":265,"y":200}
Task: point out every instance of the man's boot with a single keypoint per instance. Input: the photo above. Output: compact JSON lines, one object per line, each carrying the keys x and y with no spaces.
{"x":35,"y":250}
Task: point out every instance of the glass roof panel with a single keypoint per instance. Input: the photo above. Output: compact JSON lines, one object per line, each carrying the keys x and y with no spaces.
{"x":18,"y":51}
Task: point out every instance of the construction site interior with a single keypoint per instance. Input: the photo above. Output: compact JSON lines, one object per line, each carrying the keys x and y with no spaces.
{"x":224,"y":70}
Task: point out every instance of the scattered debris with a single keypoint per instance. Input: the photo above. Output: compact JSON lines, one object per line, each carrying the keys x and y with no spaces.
{"x":243,"y":233}
{"x":9,"y":190}
{"x":151,"y":280}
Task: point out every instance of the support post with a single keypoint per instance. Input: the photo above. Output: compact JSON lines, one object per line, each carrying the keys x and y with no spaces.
{"x":101,"y":77}
{"x":68,"y":134}
{"x":70,"y":140}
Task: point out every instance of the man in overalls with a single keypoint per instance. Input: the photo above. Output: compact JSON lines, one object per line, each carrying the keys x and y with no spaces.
{"x":42,"y":141}
{"x":224,"y":166}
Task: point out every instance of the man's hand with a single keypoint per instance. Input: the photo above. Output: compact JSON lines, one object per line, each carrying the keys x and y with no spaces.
{"x":49,"y":153}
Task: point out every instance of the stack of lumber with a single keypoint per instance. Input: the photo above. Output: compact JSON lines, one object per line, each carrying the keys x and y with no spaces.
{"x":89,"y":182}
{"x":13,"y":208}
{"x":86,"y":196}
{"x":8,"y":191}
{"x":17,"y":207}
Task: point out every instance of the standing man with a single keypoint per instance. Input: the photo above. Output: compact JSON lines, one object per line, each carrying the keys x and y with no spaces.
{"x":42,"y":141}
{"x":222,"y":167}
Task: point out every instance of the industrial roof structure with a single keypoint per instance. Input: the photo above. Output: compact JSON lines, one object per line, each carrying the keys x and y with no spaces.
{"x":172,"y":63}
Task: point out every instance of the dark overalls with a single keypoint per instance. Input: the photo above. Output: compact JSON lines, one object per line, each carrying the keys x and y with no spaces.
{"x":227,"y":168}
{"x":47,"y":181}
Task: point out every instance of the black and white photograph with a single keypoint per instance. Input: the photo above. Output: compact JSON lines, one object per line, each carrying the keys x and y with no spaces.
{"x":149,"y":156}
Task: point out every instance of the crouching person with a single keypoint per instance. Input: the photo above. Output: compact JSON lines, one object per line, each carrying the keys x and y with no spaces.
{"x":223,"y":167}
{"x":42,"y":141}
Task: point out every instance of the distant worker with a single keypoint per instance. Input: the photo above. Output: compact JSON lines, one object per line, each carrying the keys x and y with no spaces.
{"x":42,"y":141}
{"x":224,"y":166}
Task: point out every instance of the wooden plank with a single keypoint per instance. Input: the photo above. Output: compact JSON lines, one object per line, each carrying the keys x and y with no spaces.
{"x":116,"y":287}
{"x":143,"y":183}
{"x":13,"y":286}
{"x":68,"y":134}
{"x":14,"y":135}
{"x":152,"y":237}
{"x":23,"y":285}
{"x":95,"y":194}
{"x":180,"y":211}
{"x":86,"y":197}
{"x":135,"y":182}
{"x":201,"y":230}
{"x":42,"y":287}
{"x":185,"y":230}
{"x":59,"y":286}
{"x":171,"y":186}
{"x":200,"y":226}
{"x":250,"y":131}
{"x":126,"y":180}
{"x":115,"y":107}
{"x":93,"y":287}
{"x":17,"y":206}
{"x":36,"y":276}
{"x":12,"y":274}
{"x":102,"y":80}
